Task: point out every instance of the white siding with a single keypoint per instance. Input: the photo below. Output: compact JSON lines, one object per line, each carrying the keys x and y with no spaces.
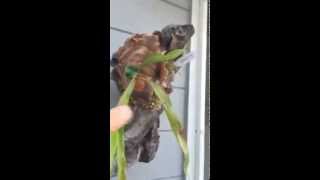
{"x":144,"y":15}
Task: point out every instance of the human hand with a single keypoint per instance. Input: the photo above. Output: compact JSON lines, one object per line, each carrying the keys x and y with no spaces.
{"x":119,"y":116}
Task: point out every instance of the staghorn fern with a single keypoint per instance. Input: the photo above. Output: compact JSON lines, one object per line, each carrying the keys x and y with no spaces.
{"x":117,"y":144}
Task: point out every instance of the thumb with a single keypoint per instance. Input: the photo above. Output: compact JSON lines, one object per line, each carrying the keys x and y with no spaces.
{"x":119,"y":116}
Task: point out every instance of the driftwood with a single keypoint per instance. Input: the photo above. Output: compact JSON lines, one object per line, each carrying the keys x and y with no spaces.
{"x":141,"y":134}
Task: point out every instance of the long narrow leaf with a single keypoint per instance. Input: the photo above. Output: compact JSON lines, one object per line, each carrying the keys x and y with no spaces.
{"x":161,"y":93}
{"x":125,"y":98}
{"x":178,"y":132}
{"x":174,"y":122}
{"x":113,"y":150}
{"x":121,"y":157}
{"x":174,"y":54}
{"x":158,"y":57}
{"x":117,"y":146}
{"x":154,"y":58}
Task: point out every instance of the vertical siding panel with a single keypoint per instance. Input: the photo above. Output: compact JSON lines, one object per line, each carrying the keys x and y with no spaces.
{"x":186,"y":4}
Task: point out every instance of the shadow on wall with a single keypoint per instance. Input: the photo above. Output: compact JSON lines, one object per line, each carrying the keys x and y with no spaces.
{"x":114,"y":94}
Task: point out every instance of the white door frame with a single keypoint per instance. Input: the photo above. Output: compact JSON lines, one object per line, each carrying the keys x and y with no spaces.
{"x":197,"y":92}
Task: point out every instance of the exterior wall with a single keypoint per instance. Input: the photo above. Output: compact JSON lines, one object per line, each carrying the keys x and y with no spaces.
{"x":130,"y":16}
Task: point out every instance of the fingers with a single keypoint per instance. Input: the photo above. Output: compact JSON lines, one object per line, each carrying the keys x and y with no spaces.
{"x":119,"y":116}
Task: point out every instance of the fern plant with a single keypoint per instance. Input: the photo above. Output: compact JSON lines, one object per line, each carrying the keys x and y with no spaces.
{"x":117,"y":143}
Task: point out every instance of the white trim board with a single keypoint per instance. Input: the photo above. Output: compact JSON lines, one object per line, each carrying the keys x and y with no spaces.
{"x":197,"y":92}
